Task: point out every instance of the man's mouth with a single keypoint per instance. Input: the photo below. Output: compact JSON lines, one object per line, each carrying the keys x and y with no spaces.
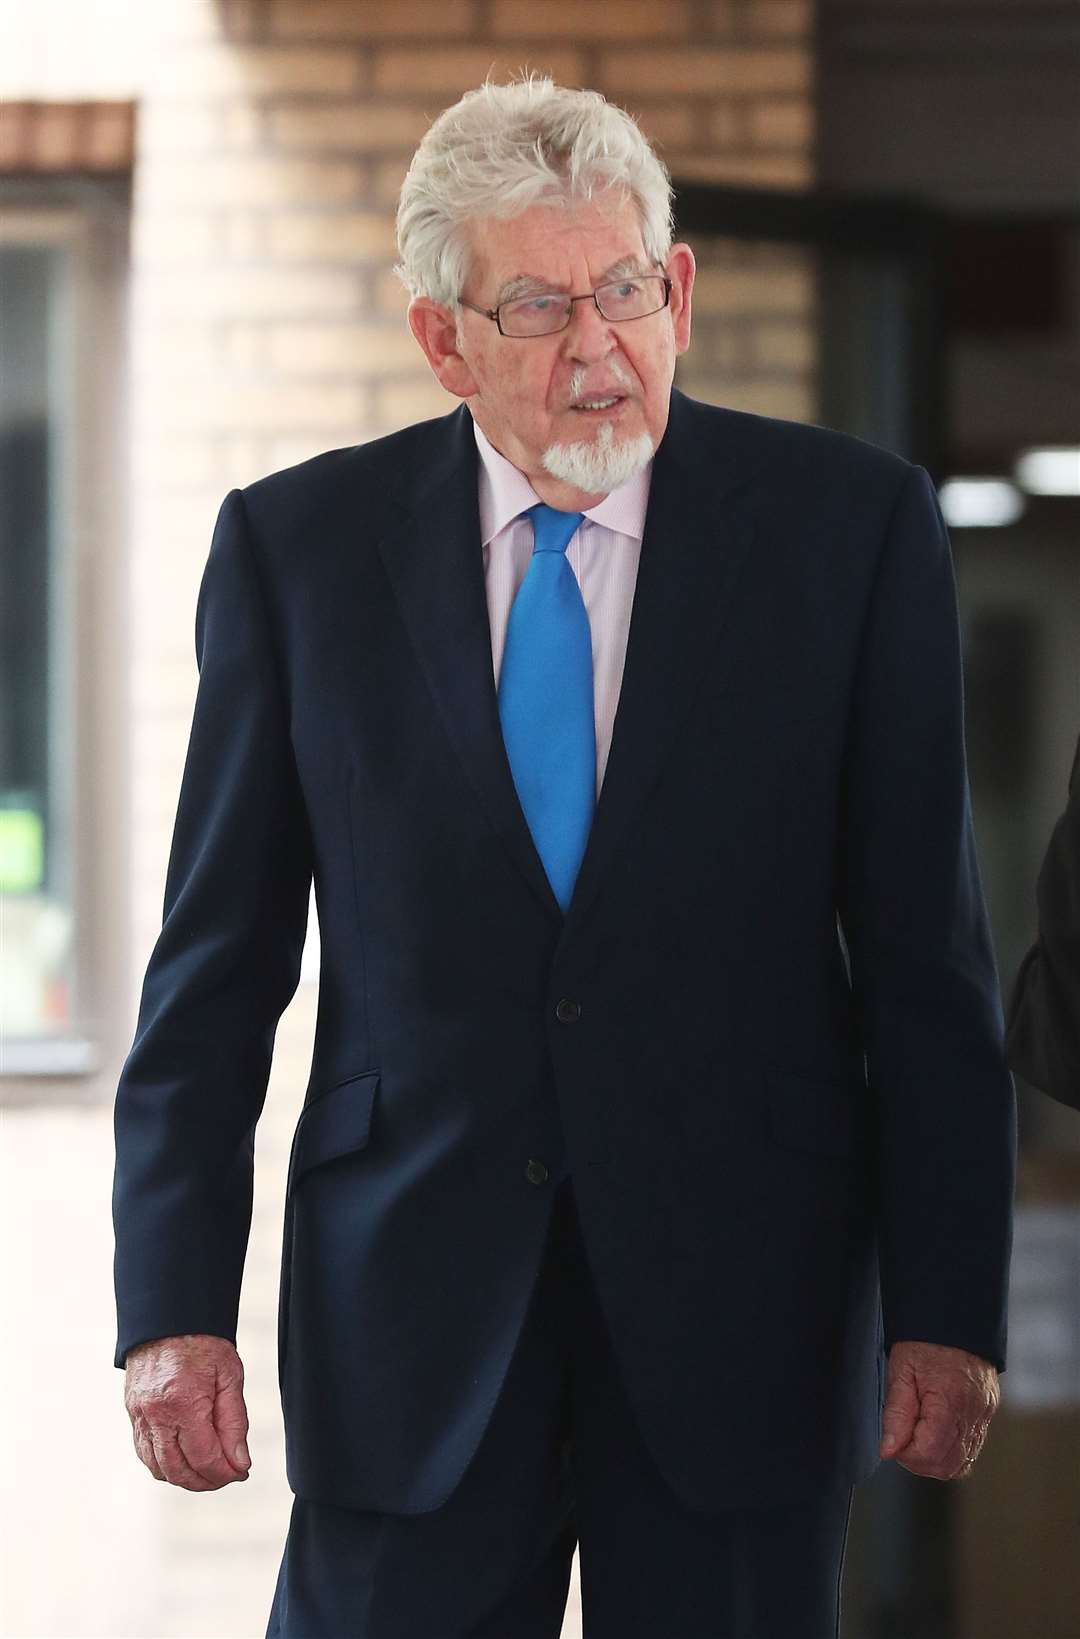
{"x":599,"y":406}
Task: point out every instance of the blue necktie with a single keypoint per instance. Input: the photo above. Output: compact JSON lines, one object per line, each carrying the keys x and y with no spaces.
{"x":546,"y":702}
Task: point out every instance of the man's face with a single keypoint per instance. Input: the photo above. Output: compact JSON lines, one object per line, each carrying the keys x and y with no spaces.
{"x":522,"y":391}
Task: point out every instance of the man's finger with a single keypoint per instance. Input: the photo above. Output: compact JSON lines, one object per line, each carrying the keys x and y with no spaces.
{"x":201,"y":1448}
{"x":935,"y":1449}
{"x":899,"y":1415}
{"x":231,"y":1425}
{"x":172,"y":1462}
{"x":144,"y":1445}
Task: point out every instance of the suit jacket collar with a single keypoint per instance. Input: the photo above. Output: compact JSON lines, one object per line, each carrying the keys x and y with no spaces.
{"x":698,"y":530}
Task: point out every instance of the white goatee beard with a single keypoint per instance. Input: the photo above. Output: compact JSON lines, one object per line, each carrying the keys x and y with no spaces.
{"x":598,"y":465}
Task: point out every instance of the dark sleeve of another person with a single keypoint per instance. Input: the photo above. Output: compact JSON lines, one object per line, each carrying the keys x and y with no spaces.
{"x":1042,"y":1038}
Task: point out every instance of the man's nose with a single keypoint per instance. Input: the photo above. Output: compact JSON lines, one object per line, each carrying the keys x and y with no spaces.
{"x":589,"y":335}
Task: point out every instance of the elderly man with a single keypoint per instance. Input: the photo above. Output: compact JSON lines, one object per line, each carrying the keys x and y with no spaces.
{"x":654,"y":1173}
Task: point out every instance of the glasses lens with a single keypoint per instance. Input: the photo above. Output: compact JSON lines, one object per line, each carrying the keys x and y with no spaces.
{"x":623,"y":299}
{"x":534,"y":315}
{"x":632,"y":298}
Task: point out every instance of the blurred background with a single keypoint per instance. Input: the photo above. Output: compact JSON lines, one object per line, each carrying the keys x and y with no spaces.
{"x":196,"y":236}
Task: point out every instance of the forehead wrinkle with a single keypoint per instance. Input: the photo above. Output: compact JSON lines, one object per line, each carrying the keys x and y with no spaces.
{"x":522,"y":282}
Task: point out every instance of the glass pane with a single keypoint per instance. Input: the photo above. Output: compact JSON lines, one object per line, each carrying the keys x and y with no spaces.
{"x":36,"y":950}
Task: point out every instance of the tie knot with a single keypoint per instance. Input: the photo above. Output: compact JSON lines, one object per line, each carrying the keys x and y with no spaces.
{"x":552,"y":529}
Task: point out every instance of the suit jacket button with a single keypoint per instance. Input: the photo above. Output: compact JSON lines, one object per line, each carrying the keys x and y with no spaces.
{"x":536,"y":1172}
{"x":567,"y":1011}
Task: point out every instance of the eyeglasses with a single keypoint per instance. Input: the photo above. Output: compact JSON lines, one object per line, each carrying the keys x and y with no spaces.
{"x":549,"y":311}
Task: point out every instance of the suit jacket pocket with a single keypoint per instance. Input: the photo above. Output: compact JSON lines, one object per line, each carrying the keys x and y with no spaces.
{"x":822,"y":1115}
{"x":334,"y":1123}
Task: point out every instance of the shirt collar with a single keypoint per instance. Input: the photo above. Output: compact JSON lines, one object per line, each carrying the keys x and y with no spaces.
{"x":505,"y":492}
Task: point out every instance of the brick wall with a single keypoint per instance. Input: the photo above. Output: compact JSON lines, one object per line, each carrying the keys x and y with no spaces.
{"x":271,"y":140}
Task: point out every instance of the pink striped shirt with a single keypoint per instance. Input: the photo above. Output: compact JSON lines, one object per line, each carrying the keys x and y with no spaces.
{"x":603,"y":553}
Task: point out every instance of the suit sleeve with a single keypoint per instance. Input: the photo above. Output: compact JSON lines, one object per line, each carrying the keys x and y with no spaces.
{"x":223,"y":968}
{"x":1043,"y":1020}
{"x":923,"y":971}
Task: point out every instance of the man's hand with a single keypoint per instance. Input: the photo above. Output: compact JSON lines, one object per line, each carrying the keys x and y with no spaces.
{"x":185,"y":1398}
{"x":938,"y":1406}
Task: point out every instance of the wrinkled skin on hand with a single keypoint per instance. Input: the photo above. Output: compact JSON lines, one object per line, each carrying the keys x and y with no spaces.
{"x":938,"y":1406}
{"x":185,"y":1398}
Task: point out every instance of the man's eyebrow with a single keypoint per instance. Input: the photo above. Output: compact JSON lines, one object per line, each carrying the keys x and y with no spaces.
{"x":522,"y":282}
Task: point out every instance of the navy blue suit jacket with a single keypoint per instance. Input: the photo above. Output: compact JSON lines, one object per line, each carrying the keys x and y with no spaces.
{"x":766,"y":1040}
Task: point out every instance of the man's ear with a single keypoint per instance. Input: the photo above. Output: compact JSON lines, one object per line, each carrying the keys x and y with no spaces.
{"x":680,"y":268}
{"x":435,"y":327}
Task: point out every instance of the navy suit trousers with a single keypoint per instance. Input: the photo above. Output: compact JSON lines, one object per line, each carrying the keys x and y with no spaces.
{"x":562,"y":1465}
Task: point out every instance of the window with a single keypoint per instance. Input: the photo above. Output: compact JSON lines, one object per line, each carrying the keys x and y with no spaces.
{"x":62,"y":259}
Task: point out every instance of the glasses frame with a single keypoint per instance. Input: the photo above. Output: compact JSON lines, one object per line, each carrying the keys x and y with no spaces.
{"x":588,"y":295}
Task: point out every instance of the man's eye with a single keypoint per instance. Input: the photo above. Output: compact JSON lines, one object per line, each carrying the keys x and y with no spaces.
{"x":540,"y":304}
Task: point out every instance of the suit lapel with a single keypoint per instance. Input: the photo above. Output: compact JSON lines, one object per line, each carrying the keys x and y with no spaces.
{"x":698,"y":531}
{"x":435,"y":564}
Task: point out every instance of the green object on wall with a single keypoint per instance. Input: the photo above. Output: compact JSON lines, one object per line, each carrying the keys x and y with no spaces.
{"x":22,"y":850}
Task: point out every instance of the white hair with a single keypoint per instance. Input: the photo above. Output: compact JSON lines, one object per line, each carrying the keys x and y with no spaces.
{"x":598,"y":465}
{"x":503,"y":148}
